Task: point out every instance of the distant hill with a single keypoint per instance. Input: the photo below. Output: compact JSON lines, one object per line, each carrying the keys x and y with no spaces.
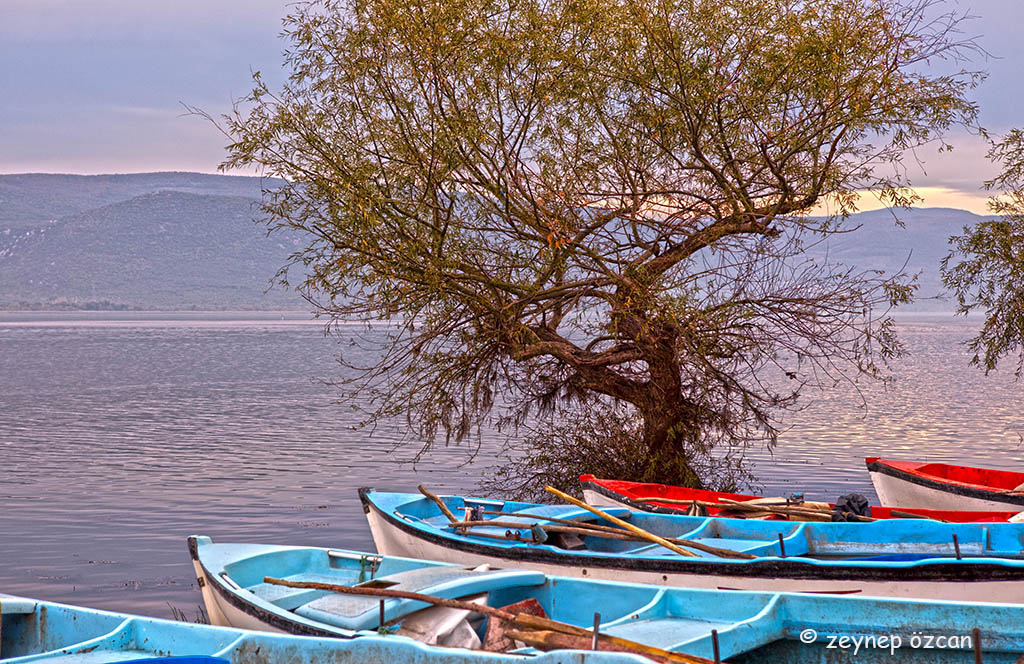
{"x":162,"y":250}
{"x":29,"y":199}
{"x":187,"y":240}
{"x":879,"y":243}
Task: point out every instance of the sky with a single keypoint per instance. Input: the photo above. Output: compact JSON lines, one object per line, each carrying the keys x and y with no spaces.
{"x":99,"y":86}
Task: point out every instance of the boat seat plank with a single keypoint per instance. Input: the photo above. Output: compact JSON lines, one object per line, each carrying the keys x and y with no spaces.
{"x":362,"y":611}
{"x":657,"y":607}
{"x":744,"y":545}
{"x":291,"y":598}
{"x":766,"y":627}
{"x":664,"y":632}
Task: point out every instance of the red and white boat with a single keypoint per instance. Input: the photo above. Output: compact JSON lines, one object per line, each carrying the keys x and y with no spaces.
{"x":648,"y":497}
{"x":943,"y":486}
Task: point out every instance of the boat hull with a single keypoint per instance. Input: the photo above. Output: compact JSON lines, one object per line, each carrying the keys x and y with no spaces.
{"x":903,"y":488}
{"x":897,"y":492}
{"x":393,"y":537}
{"x":222,"y":611}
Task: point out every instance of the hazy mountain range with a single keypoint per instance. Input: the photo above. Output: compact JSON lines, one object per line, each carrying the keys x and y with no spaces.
{"x":146,"y":241}
{"x":188,"y":241}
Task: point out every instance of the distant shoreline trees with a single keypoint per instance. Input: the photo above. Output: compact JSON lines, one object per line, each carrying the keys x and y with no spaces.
{"x":593,"y":216}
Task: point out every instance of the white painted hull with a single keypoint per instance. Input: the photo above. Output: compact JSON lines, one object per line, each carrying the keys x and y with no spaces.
{"x":899,"y":493}
{"x":392,"y":541}
{"x":222,"y":612}
{"x":596,"y":499}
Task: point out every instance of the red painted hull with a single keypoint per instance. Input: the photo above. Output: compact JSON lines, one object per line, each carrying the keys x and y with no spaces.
{"x":644,"y":496}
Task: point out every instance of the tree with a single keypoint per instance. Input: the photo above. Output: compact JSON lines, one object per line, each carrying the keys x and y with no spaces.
{"x":599,"y":210}
{"x":990,"y":272}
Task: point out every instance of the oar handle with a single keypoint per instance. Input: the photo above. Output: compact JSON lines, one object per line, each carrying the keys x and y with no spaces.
{"x":440,"y":503}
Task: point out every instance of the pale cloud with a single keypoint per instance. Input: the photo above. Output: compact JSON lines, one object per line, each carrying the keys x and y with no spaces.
{"x":964,"y":165}
{"x":933,"y":197}
{"x":97,"y":85}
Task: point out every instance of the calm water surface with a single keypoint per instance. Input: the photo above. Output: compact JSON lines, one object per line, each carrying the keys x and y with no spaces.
{"x":121,"y":434}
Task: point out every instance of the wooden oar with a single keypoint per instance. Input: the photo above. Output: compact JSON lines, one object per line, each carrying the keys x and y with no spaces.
{"x":523,"y":619}
{"x":799,"y":511}
{"x":760,"y":502}
{"x":609,"y":533}
{"x":1015,"y":491}
{"x":640,"y":532}
{"x":619,"y":522}
{"x":440,"y":503}
{"x":725,"y":504}
{"x":781,"y":509}
{"x":552,"y":519}
{"x":395,"y":594}
{"x":910,"y":515}
{"x":616,"y":533}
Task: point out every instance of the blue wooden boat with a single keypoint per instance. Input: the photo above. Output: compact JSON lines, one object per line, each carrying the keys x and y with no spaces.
{"x":749,"y":627}
{"x":50,"y":633}
{"x":894,"y":558}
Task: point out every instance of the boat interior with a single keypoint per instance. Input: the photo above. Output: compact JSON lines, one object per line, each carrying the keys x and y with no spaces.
{"x":885,"y":541}
{"x":981,"y":477}
{"x":35,"y":631}
{"x":714,"y":503}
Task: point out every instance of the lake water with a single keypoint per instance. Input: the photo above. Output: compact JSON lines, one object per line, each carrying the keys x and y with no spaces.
{"x":121,"y":434}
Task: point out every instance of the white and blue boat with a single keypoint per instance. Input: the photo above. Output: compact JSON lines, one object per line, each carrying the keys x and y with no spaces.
{"x":746,"y":627}
{"x":914,"y":558}
{"x":50,"y":633}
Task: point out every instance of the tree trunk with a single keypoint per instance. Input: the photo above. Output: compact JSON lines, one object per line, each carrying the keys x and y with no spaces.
{"x":668,"y":425}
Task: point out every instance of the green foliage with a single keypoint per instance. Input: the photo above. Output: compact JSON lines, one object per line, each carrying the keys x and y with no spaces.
{"x":989,"y":274}
{"x":568,"y":206}
{"x":609,"y":443}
